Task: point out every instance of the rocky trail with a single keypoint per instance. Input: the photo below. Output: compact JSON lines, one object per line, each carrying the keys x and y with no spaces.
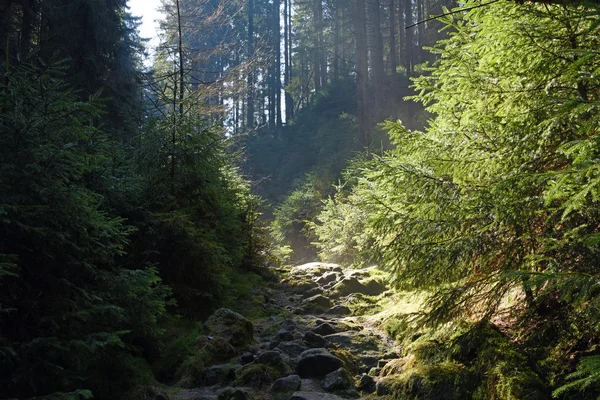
{"x":312,"y":346}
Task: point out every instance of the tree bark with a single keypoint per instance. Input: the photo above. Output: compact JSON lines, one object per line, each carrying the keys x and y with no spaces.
{"x":362,"y":71}
{"x":250,"y":87}
{"x":393,"y":56}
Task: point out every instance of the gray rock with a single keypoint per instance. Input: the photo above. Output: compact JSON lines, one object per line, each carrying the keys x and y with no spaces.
{"x":315,"y":341}
{"x":338,"y":380}
{"x":275,"y":360}
{"x":284,"y":335}
{"x":317,"y":363}
{"x":230,"y":393}
{"x":324,"y":329}
{"x":328,"y":277}
{"x":366,"y":384}
{"x":231,"y":326}
{"x":218,"y":374}
{"x":314,"y":396}
{"x":292,"y":348}
{"x":348,"y":286}
{"x":247,"y":357}
{"x":339,"y":310}
{"x":312,"y":292}
{"x":318,"y":302}
{"x":288,"y":384}
{"x":369,"y":360}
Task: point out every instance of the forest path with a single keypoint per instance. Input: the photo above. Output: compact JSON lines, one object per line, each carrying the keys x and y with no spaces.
{"x":320,"y":340}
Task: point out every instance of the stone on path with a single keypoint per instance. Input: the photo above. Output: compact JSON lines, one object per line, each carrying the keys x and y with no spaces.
{"x":315,"y":396}
{"x":316,"y":302}
{"x":324,"y":329}
{"x":315,"y":341}
{"x":231,"y":326}
{"x":230,"y":393}
{"x":292,"y":348}
{"x":338,"y":380}
{"x":348,"y":286}
{"x":317,"y":363}
{"x":366,"y":384}
{"x":288,"y":384}
{"x":275,"y":360}
{"x":338,"y":310}
{"x":312,"y":292}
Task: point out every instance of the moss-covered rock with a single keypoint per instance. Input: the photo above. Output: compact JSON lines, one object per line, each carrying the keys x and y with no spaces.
{"x":233,"y":327}
{"x":257,"y":376}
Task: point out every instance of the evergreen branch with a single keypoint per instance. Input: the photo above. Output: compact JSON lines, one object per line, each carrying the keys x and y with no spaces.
{"x":450,"y":13}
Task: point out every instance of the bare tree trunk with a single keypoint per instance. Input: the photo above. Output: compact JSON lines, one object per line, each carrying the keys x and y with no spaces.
{"x":393,"y":55}
{"x":336,"y":44}
{"x":362,"y":71}
{"x":317,"y":12}
{"x":408,"y":37}
{"x":250,"y":88}
{"x":277,"y":33}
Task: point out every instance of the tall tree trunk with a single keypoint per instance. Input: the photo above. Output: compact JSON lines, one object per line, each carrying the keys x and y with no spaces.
{"x":362,"y":71}
{"x":317,"y":11}
{"x":287,"y":57}
{"x":392,"y":12}
{"x":250,"y":88}
{"x":277,"y":33}
{"x":376,"y":51}
{"x":336,"y":44}
{"x":291,"y":66}
{"x":408,"y":37}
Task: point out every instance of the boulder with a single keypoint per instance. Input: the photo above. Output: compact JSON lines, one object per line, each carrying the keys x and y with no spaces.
{"x":290,"y":383}
{"x":284,"y":335}
{"x":348,"y":286}
{"x":324,"y":329}
{"x":275,"y":360}
{"x":338,"y":380}
{"x":218,"y":374}
{"x":233,"y":327}
{"x":312,"y":292}
{"x":366,"y":384}
{"x":247,"y":358}
{"x":292,"y":348}
{"x":339,"y":310}
{"x":257,"y":376}
{"x":315,"y":341}
{"x":318,"y":302}
{"x":328,"y":277}
{"x":317,"y":363}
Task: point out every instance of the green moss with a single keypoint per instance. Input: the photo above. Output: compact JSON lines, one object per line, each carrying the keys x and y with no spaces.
{"x":444,"y":381}
{"x":256,"y":376}
{"x":351,"y":363}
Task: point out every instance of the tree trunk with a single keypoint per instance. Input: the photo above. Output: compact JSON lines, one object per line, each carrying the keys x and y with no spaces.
{"x":277,"y":33}
{"x":408,"y":37}
{"x":392,"y":12}
{"x":250,"y":88}
{"x":362,"y":71}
